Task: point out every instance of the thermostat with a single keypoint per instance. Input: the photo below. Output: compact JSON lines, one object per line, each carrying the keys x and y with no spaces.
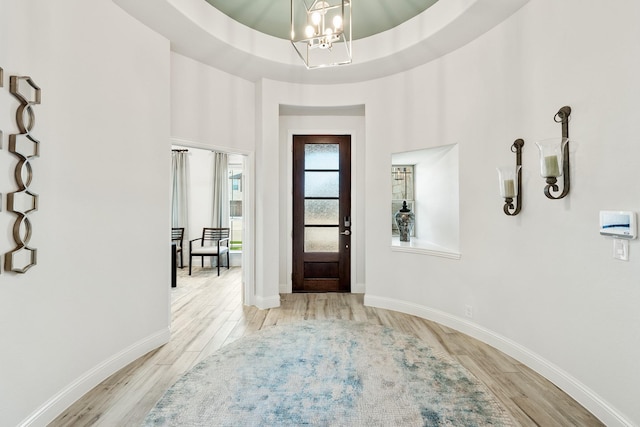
{"x":620,"y":224}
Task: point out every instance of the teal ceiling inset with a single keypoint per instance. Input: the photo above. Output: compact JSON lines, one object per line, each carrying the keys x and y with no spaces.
{"x":369,"y":16}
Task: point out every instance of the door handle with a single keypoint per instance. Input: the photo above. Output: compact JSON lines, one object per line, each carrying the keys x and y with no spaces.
{"x":346,"y":232}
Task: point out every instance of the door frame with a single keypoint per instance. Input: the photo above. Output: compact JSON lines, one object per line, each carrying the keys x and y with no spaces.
{"x":248,"y":234}
{"x":287,"y":287}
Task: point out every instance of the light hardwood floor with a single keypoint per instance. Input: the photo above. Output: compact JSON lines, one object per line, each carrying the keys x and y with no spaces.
{"x":207,"y":313}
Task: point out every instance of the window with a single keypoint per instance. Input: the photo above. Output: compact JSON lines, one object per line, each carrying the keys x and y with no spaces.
{"x":235,"y":202}
{"x":402,"y":189}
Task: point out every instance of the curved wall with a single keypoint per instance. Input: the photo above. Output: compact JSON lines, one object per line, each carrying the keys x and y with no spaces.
{"x":95,"y":301}
{"x":543,"y":285}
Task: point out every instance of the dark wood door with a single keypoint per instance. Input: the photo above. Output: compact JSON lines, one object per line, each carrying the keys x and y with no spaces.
{"x":321,"y":213}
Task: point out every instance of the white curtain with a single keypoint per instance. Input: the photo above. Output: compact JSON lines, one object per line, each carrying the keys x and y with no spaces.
{"x":179,"y":187}
{"x":220,"y":217}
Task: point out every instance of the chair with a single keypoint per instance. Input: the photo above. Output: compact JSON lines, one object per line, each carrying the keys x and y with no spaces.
{"x":177,"y":234}
{"x":213,"y":243}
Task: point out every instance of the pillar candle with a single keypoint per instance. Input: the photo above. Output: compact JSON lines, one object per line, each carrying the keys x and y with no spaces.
{"x":551,"y":167}
{"x":509,"y":188}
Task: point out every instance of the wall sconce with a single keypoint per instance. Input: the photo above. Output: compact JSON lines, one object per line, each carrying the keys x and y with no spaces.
{"x":510,"y":180}
{"x":553,"y":153}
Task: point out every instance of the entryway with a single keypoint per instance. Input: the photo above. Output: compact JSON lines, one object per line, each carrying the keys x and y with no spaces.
{"x":321,"y":213}
{"x":214,"y":192}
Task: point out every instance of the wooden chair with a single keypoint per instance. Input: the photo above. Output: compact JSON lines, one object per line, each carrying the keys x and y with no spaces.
{"x":177,"y":234}
{"x":213,"y":243}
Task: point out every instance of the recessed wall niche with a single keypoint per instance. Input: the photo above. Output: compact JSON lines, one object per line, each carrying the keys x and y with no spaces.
{"x":436,"y":201}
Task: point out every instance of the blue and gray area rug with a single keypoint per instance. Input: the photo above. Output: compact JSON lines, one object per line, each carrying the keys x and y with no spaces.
{"x":328,"y":373}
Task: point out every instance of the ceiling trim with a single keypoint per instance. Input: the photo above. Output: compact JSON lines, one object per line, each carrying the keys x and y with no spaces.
{"x":201,"y":32}
{"x":342,"y":110}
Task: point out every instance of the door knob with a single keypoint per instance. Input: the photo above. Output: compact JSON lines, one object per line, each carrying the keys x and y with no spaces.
{"x":346,"y":232}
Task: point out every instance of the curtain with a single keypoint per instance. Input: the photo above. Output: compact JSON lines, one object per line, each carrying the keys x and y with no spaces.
{"x":220,"y":217}
{"x":179,"y":186}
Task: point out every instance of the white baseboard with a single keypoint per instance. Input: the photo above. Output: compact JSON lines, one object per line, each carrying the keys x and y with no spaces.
{"x":284,"y":288}
{"x":264,"y":303}
{"x":74,"y":391}
{"x":358,"y":288}
{"x":567,"y":383}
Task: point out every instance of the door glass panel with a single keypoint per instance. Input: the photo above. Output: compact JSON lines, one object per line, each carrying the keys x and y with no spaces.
{"x":321,"y":184}
{"x":321,"y":212}
{"x":321,"y":239}
{"x":321,"y":156}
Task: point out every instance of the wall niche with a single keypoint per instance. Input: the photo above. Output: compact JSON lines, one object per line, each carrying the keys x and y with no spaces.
{"x":435,"y":201}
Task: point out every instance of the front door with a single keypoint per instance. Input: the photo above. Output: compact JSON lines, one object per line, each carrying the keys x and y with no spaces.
{"x":321,"y":213}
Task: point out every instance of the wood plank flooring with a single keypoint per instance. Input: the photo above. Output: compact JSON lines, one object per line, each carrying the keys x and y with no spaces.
{"x":207,"y":313}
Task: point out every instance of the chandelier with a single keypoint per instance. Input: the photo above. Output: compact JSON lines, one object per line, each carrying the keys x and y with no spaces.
{"x":321,"y":32}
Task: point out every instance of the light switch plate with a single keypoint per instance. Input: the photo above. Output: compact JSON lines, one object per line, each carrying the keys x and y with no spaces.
{"x":621,"y":249}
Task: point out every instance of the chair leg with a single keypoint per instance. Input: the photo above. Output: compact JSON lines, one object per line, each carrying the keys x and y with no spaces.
{"x":217,"y":263}
{"x":181,"y":262}
{"x":190,"y":258}
{"x":228,"y":264}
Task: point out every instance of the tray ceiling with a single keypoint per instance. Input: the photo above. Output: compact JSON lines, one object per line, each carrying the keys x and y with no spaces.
{"x":394,"y":36}
{"x":369,"y":16}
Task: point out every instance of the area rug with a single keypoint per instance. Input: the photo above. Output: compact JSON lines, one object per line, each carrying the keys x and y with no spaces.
{"x":328,"y":373}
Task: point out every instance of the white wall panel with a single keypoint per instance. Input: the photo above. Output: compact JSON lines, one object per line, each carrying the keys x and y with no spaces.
{"x":95,"y":301}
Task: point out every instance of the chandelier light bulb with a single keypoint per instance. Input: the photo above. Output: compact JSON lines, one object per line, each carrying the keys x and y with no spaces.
{"x":309,"y":31}
{"x":328,"y":32}
{"x":337,"y":22}
{"x":315,"y":18}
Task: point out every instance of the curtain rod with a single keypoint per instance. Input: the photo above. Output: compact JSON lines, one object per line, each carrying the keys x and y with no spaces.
{"x":180,"y":150}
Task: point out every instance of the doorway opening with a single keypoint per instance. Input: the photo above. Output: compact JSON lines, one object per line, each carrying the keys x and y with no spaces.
{"x":321,"y":238}
{"x":217,"y":195}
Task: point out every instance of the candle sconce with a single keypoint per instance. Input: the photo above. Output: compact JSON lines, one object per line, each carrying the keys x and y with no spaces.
{"x":553,"y":153}
{"x":510,"y":180}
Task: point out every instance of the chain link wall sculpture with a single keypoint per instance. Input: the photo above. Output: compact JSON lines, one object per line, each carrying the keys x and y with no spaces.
{"x":23,"y":201}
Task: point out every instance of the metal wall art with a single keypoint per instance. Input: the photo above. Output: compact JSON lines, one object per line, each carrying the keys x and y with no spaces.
{"x":1,"y":139}
{"x":23,"y":201}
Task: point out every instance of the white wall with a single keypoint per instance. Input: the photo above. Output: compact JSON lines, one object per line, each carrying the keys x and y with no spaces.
{"x":543,"y":285}
{"x":211,"y":109}
{"x":94,"y":302}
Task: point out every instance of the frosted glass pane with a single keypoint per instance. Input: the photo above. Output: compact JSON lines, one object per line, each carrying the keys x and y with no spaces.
{"x":321,"y":156}
{"x":321,"y":212}
{"x":321,"y":184}
{"x":321,"y":239}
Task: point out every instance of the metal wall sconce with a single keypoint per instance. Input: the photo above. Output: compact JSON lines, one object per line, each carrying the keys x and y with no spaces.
{"x":553,"y":153}
{"x":510,"y":180}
